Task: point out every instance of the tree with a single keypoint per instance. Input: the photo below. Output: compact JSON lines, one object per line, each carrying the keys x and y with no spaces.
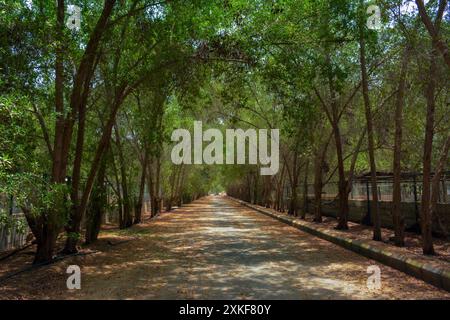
{"x":370,"y":135}
{"x":433,"y":28}
{"x":398,"y":218}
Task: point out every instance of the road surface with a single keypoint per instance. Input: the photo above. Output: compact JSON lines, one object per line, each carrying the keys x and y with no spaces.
{"x":217,"y":249}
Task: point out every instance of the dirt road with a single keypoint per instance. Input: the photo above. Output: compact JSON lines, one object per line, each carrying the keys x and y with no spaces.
{"x":216,"y":249}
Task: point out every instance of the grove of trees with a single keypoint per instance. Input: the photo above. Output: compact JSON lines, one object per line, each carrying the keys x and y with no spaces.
{"x":84,"y":111}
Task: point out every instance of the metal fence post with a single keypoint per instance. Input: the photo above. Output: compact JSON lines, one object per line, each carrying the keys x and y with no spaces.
{"x":367,"y":218}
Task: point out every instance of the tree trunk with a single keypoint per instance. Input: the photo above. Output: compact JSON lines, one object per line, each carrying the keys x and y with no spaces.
{"x":46,"y":244}
{"x":73,"y":227}
{"x":249,"y":189}
{"x":64,"y":127}
{"x":256,"y":189}
{"x":294,"y":185}
{"x":370,"y":136}
{"x":305,"y":191}
{"x":158,"y":199}
{"x":334,"y":118}
{"x":173,"y":180}
{"x":59,"y":93}
{"x":343,"y":196}
{"x":397,"y":216}
{"x":140,"y":200}
{"x":180,"y":184}
{"x":438,"y":173}
{"x":151,"y":187}
{"x":293,"y":201}
{"x":444,"y":190}
{"x":82,"y":81}
{"x":318,"y":183}
{"x":433,"y":28}
{"x":118,"y":188}
{"x":127,"y":218}
{"x":97,"y":205}
{"x":426,"y":214}
{"x":435,"y":185}
{"x":45,"y":231}
{"x":318,"y":191}
{"x":279,"y":192}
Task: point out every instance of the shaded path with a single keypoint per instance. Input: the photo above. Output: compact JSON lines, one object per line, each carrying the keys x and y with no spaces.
{"x":216,"y":249}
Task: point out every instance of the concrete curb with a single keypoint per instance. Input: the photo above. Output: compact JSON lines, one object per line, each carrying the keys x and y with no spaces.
{"x":437,"y":276}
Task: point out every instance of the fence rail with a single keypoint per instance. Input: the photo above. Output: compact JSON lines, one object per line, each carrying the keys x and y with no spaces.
{"x":360,"y":198}
{"x":411,"y":190}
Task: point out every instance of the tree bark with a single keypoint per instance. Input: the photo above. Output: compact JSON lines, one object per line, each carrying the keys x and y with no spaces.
{"x":46,"y":243}
{"x":140,"y":200}
{"x":158,"y":199}
{"x":117,"y":190}
{"x":438,"y":173}
{"x":256,"y":189}
{"x":444,"y":190}
{"x":279,"y":192}
{"x":305,"y":191}
{"x":180,"y":184}
{"x":151,"y":190}
{"x":426,"y":214}
{"x":334,"y":116}
{"x":397,"y":216}
{"x":433,"y":28}
{"x":46,"y":230}
{"x":127,"y":218}
{"x":343,"y":196}
{"x":294,"y":185}
{"x":73,"y":227}
{"x":82,"y":79}
{"x":318,"y":184}
{"x":98,"y":202}
{"x":59,"y":93}
{"x":173,"y":182}
{"x":435,"y":185}
{"x":64,"y":126}
{"x":370,"y":137}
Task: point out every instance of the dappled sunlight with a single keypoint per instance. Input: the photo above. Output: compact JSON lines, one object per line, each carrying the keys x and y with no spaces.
{"x":214,"y":249}
{"x":204,"y":252}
